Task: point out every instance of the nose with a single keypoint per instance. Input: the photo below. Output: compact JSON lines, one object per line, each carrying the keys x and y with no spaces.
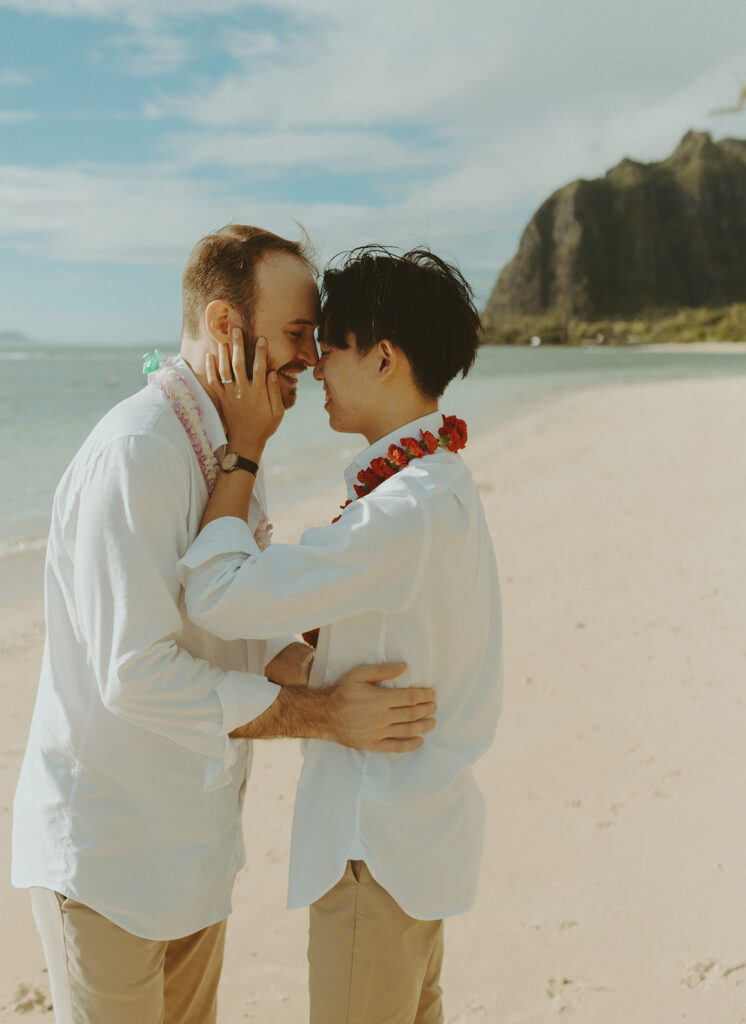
{"x":309,"y":353}
{"x":318,"y":370}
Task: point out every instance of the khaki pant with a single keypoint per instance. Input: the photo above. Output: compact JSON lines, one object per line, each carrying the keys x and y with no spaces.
{"x":101,"y":974}
{"x":369,"y":962}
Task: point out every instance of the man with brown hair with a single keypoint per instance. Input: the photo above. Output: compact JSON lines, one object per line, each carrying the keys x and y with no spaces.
{"x":127,"y":813}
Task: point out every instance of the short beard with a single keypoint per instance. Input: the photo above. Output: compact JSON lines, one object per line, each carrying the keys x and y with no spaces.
{"x":249,"y":349}
{"x":288,"y":401}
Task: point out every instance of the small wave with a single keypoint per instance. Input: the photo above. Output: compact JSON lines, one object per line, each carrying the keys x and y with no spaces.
{"x":21,"y":546}
{"x":19,"y":357}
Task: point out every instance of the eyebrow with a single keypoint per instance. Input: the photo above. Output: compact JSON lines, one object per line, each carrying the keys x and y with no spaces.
{"x":302,"y":320}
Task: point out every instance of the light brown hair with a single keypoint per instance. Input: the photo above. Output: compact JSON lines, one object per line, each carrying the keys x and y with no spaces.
{"x":222,"y":265}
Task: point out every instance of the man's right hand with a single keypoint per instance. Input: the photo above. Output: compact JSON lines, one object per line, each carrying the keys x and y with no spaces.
{"x":366,"y":716}
{"x":354,"y":711}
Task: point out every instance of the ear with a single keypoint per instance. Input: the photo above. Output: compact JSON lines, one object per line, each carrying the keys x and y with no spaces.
{"x":388,"y":357}
{"x":219,"y":320}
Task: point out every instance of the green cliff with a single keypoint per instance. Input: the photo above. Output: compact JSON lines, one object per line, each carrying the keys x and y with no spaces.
{"x":644,"y":239}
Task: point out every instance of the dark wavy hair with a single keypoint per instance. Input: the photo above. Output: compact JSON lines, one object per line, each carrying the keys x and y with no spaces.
{"x":417,"y":301}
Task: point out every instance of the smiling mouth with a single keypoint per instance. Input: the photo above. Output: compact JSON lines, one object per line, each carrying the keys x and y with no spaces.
{"x":291,"y":376}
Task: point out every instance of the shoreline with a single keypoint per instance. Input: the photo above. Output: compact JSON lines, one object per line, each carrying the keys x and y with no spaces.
{"x":23,"y":550}
{"x":617,"y":516}
{"x":722,"y":347}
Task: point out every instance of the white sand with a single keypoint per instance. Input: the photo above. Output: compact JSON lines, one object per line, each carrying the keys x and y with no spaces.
{"x":612,"y":886}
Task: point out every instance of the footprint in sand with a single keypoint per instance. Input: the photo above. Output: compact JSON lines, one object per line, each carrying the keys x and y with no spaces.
{"x":714,"y":970}
{"x":566,"y":994}
{"x":28,"y":998}
{"x":470,"y":1014}
{"x":561,"y":991}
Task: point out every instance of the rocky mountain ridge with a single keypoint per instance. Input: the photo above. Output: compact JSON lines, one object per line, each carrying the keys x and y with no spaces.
{"x":645,"y":237}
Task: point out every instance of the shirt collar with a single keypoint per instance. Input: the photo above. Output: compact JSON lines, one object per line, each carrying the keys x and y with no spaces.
{"x":432,"y":422}
{"x":210,"y":417}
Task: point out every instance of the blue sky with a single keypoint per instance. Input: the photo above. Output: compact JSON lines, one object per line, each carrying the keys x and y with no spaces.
{"x":128,"y":129}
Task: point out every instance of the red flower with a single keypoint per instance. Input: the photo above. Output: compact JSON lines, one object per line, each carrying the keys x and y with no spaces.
{"x":455,"y":430}
{"x":343,"y":507}
{"x":397,"y":456}
{"x":361,"y":489}
{"x":368,"y":479}
{"x":430,"y":441}
{"x":382,"y":469}
{"x":413,"y":446}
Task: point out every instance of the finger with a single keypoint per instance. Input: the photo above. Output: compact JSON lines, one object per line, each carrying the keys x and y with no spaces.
{"x":415,"y":712}
{"x":275,"y":395}
{"x":259,"y":371}
{"x":377,"y":673}
{"x":238,"y":357}
{"x":397,"y":746}
{"x":409,"y":695}
{"x":211,"y":371}
{"x":406,"y":730}
{"x":224,"y":361}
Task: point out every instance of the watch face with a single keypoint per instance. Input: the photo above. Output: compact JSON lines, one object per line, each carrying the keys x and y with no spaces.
{"x":229,"y":461}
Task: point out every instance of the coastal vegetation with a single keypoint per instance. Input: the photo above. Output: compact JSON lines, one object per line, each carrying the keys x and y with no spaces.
{"x":682,"y":325}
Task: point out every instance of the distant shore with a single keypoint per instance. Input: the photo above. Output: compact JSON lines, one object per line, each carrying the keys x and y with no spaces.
{"x":695,"y":346}
{"x":683,"y":325}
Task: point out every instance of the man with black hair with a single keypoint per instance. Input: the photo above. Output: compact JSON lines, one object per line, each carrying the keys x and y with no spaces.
{"x":382,"y":848}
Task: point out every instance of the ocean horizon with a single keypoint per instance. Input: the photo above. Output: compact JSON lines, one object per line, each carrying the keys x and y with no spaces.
{"x":51,"y":397}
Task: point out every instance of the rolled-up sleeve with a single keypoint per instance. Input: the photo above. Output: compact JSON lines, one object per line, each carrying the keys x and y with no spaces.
{"x":132,"y":529}
{"x":370,"y":558}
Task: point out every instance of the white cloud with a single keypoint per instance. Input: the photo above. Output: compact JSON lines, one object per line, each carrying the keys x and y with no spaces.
{"x":123,"y":10}
{"x":335,"y":152}
{"x":251,"y":45}
{"x":151,"y":111}
{"x":465,"y":116}
{"x":148,"y":51}
{"x":482,"y":66}
{"x":13,"y":78}
{"x":17,"y":116}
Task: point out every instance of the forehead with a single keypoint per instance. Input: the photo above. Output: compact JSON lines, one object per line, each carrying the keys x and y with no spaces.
{"x":285,"y":284}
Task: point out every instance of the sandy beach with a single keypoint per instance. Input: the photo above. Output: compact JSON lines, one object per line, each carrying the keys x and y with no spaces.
{"x":612,"y":883}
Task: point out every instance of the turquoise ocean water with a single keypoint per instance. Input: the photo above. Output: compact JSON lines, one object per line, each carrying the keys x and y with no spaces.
{"x":50,"y":398}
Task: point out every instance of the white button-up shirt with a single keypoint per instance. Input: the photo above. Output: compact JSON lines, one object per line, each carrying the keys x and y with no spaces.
{"x":130,"y":792}
{"x":407,"y":574}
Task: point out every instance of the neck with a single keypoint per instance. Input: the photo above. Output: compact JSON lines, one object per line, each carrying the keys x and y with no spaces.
{"x":193,"y":354}
{"x":399,"y":416}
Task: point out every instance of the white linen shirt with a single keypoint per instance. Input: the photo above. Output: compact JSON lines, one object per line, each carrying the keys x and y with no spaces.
{"x":130,"y":793}
{"x":407,"y":574}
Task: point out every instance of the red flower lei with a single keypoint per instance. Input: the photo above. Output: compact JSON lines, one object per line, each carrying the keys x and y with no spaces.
{"x":452,"y":436}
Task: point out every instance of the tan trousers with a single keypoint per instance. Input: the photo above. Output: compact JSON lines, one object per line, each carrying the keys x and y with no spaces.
{"x":101,"y":974}
{"x":369,"y":962}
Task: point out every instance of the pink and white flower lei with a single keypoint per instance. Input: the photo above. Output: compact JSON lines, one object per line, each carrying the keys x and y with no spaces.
{"x":263,"y":532}
{"x":163,"y":373}
{"x":186,"y":407}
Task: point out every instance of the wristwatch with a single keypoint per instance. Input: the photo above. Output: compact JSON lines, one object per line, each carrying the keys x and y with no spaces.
{"x":231,"y":461}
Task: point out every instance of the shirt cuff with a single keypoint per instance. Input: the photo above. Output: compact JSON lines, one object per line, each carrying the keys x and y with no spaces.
{"x":220,"y":537}
{"x":243,"y":698}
